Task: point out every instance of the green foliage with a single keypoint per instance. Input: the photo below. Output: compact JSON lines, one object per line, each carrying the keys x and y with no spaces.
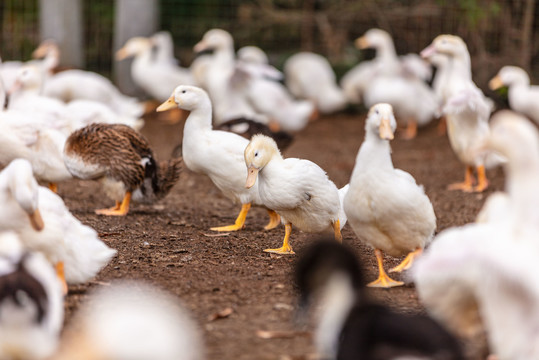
{"x":474,"y":10}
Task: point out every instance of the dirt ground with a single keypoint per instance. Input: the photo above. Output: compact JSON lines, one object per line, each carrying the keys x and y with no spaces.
{"x":170,"y":244}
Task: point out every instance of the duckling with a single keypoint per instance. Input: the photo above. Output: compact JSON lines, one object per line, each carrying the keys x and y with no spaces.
{"x":385,"y":206}
{"x":298,"y":190}
{"x":351,"y":325}
{"x":74,"y":248}
{"x":522,"y":97}
{"x":218,"y":154}
{"x":131,"y":320}
{"x":31,"y":302}
{"x":122,"y":159}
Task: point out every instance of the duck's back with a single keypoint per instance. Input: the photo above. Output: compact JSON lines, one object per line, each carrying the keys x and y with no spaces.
{"x":301,"y":192}
{"x":115,"y":151}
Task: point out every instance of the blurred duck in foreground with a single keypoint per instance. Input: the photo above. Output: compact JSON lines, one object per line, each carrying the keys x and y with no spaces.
{"x":298,"y":190}
{"x":350,"y":325}
{"x":218,"y":154}
{"x":71,"y":246}
{"x":310,"y":76}
{"x":522,"y":97}
{"x":385,"y":207}
{"x":122,"y":160}
{"x":131,"y":320}
{"x":476,"y":277}
{"x":466,"y":110}
{"x":31,"y":302}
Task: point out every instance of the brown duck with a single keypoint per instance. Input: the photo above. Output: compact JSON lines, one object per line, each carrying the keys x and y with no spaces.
{"x":122,"y":160}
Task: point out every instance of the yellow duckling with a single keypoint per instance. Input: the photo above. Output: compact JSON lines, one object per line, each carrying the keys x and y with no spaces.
{"x":298,"y":190}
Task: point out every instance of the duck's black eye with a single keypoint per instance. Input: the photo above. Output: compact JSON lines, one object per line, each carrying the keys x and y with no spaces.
{"x":376,"y":111}
{"x":256,"y":153}
{"x":184,"y":91}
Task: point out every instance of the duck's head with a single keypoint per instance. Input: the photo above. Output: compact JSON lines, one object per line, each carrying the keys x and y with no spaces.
{"x":45,"y":48}
{"x":258,"y":153}
{"x":215,"y":39}
{"x":25,"y":190}
{"x":252,"y":55}
{"x":373,"y":38}
{"x":29,"y":78}
{"x":448,"y":45}
{"x":133,"y":47}
{"x":514,"y":137}
{"x":162,"y":38}
{"x":187,"y":98}
{"x":508,"y":75}
{"x":381,"y":121}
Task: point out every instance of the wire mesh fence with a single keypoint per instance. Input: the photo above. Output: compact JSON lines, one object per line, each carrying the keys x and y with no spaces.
{"x":497,"y":32}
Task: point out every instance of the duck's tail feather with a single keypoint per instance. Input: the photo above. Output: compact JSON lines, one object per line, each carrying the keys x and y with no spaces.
{"x":159,"y":178}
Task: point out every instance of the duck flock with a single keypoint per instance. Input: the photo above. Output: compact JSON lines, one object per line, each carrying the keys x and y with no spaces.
{"x":241,"y":113}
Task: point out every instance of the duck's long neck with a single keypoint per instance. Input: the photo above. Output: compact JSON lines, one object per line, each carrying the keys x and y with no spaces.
{"x":374,"y":152}
{"x":460,"y":65}
{"x":199,"y":119}
{"x":387,"y":55}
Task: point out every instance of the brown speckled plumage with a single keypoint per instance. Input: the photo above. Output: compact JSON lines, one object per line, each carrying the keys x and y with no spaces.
{"x":122,"y":154}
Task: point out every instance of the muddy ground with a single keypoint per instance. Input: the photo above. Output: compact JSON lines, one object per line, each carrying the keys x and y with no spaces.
{"x":170,"y":244}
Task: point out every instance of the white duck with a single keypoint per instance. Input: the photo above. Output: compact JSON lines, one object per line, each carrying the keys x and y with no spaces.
{"x":224,"y":82}
{"x":218,"y":154}
{"x":31,"y":302}
{"x":164,"y":47}
{"x":27,"y":95}
{"x":74,"y":248}
{"x":157,"y":78}
{"x":469,"y":277}
{"x":522,"y":97}
{"x":310,"y":76}
{"x":269,"y":96}
{"x":28,"y":135}
{"x":466,"y":110}
{"x":400,"y":83}
{"x":75,"y":84}
{"x":131,"y":320}
{"x":385,"y":207}
{"x":297,"y":189}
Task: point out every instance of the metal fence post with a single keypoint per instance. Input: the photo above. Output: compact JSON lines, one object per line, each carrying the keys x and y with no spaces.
{"x":132,"y":18}
{"x":61,"y":20}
